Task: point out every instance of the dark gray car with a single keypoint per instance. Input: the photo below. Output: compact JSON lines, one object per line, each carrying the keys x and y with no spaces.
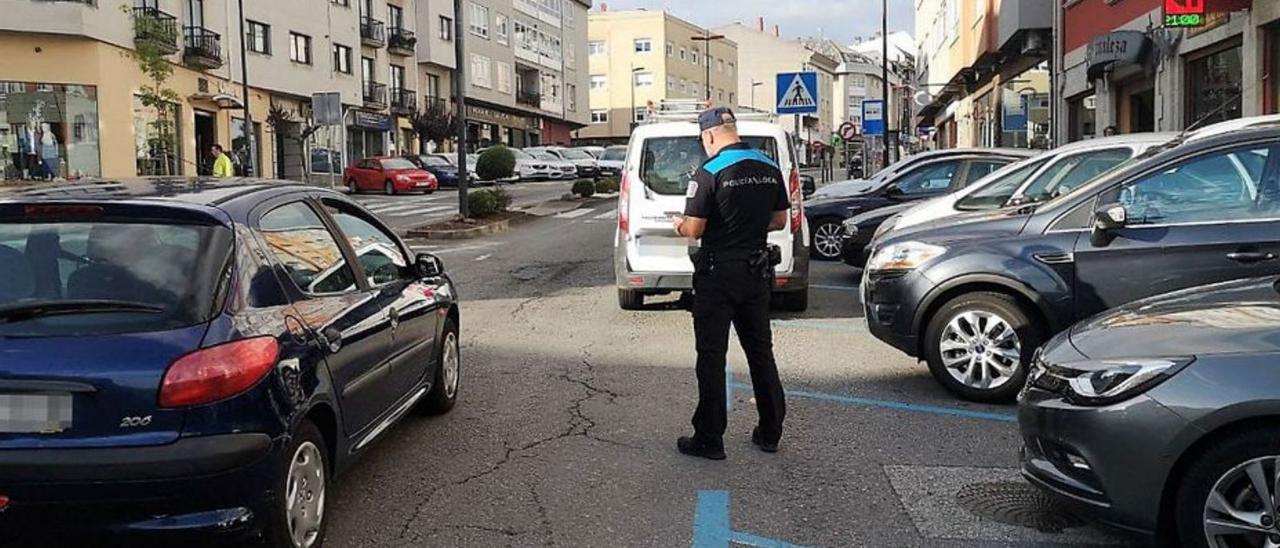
{"x":1163,"y":416}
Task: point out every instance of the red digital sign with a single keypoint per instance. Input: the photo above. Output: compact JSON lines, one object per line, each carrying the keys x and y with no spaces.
{"x":1184,"y":7}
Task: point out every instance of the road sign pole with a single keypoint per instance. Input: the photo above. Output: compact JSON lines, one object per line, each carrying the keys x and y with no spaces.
{"x":884,"y":72}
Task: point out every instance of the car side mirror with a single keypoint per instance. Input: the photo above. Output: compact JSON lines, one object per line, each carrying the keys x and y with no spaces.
{"x":1106,"y":220}
{"x":808,"y":185}
{"x":426,"y":265}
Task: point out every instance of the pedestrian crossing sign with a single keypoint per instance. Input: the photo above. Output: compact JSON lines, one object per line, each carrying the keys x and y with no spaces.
{"x":798,"y":93}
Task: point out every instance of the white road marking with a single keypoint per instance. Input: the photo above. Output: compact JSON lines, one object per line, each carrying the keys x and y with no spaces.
{"x":607,"y":215}
{"x":422,"y":211}
{"x":574,"y":214}
{"x":439,"y":251}
{"x":483,"y":257}
{"x":398,"y":207}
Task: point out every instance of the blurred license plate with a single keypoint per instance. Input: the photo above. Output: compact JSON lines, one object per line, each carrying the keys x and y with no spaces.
{"x":34,"y":413}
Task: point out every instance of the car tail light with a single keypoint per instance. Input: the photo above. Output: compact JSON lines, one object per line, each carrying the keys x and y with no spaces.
{"x":4,"y":502}
{"x":781,"y":281}
{"x":624,"y":195}
{"x":217,"y":373}
{"x":797,"y":201}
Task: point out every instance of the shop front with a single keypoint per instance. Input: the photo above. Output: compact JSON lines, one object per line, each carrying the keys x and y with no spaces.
{"x":1121,"y":64}
{"x":1214,"y":79}
{"x":487,"y":126}
{"x":367,"y":135}
{"x":49,"y":131}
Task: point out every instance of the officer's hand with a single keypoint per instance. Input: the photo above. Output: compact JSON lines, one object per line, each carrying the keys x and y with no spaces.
{"x":676,"y":222}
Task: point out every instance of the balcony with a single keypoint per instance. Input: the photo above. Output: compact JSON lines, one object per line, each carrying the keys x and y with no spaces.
{"x":529,"y":98}
{"x":203,"y":48}
{"x":373,"y":33}
{"x":375,"y":95}
{"x":155,"y":29}
{"x":402,"y":42}
{"x":403,"y":101}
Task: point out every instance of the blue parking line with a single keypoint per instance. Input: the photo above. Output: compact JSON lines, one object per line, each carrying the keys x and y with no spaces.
{"x":711,"y":527}
{"x":896,"y":405}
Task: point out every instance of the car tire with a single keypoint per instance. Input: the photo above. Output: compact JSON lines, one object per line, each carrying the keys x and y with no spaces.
{"x":955,"y":323}
{"x":429,"y":192}
{"x":629,"y":299}
{"x":792,"y":301}
{"x":305,"y":464}
{"x":448,"y":376}
{"x":1223,"y":467}
{"x":825,"y":241}
{"x":389,"y":188}
{"x":353,"y":187}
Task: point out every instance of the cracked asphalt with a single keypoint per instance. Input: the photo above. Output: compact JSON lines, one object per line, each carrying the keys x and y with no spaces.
{"x":565,"y":432}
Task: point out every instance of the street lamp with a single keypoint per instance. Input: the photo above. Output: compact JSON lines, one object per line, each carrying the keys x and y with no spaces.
{"x":706,"y":55}
{"x":634,"y":70}
{"x":754,"y":84}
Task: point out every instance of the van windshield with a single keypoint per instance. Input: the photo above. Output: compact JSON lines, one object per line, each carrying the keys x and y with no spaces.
{"x":100,"y":277}
{"x":668,"y":163}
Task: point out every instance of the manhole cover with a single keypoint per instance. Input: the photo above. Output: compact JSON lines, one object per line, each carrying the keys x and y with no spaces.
{"x":1017,"y":504}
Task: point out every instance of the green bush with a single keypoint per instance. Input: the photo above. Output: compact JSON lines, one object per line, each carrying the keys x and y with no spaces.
{"x":496,"y":163}
{"x":504,"y":198}
{"x":584,"y":188}
{"x":607,"y":185}
{"x":482,"y":203}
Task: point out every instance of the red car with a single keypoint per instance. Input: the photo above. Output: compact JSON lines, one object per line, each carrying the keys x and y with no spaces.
{"x":389,"y":175}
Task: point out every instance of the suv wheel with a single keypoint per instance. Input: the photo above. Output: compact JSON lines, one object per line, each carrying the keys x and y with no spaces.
{"x":389,"y":188}
{"x":1228,"y":496}
{"x":630,"y":300}
{"x":353,"y":186}
{"x":828,"y":238}
{"x":297,"y":516}
{"x":979,"y":345}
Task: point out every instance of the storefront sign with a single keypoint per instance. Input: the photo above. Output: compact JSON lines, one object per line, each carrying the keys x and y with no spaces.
{"x":1183,"y":13}
{"x":371,"y":120}
{"x":1119,"y":47}
{"x":505,"y":119}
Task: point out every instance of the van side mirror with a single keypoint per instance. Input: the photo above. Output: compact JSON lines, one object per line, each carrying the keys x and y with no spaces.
{"x":1106,"y":220}
{"x":808,"y":185}
{"x":426,"y":265}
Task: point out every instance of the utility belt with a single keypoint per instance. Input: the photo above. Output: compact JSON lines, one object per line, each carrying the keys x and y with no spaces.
{"x":759,"y":261}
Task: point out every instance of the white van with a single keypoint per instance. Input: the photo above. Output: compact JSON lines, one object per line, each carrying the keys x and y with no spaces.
{"x":649,"y":257}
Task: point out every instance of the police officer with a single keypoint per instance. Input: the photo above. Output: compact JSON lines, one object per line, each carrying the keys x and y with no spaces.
{"x":733,"y":201}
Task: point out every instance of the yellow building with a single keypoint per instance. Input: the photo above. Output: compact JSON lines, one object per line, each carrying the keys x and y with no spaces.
{"x":71,"y":91}
{"x":639,"y":58}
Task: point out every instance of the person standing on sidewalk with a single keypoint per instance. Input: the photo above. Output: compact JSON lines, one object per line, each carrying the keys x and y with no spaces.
{"x":734,"y":200}
{"x":222,"y":166}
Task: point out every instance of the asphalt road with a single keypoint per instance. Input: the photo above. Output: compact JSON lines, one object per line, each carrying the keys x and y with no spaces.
{"x":565,"y":433}
{"x":406,"y":211}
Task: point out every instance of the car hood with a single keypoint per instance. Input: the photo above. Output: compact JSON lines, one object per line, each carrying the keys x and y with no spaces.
{"x":966,"y":226}
{"x":844,"y":188}
{"x":1232,"y":317}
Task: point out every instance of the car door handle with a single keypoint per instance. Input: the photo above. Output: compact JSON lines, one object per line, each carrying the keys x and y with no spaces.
{"x":1250,"y":257}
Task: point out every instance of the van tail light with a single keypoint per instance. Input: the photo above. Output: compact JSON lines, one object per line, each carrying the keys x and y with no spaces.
{"x":624,"y":195}
{"x":797,"y":201}
{"x":4,"y":502}
{"x":218,"y":373}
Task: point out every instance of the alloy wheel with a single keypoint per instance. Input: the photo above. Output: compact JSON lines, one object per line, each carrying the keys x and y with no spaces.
{"x":980,"y":350}
{"x":304,"y":495}
{"x":1242,"y":507}
{"x":451,"y":364}
{"x":827,"y":239}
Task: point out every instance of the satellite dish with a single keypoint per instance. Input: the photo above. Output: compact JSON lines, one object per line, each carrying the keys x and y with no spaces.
{"x":923,"y":98}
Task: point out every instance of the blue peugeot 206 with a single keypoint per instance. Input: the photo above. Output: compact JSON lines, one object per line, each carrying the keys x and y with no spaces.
{"x":185,"y":357}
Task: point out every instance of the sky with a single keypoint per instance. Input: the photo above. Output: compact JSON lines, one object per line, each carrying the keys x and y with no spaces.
{"x":841,"y":20}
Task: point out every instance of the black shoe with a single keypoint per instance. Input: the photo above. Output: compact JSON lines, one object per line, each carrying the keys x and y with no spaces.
{"x":767,"y":447}
{"x":694,"y":448}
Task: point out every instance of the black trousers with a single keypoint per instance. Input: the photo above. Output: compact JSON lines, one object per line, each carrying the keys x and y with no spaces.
{"x":731,"y":293}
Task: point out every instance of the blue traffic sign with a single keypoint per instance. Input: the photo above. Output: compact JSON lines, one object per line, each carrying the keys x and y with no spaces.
{"x":798,"y":93}
{"x":872,"y":117}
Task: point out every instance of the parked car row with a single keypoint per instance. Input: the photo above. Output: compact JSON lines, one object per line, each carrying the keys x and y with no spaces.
{"x":1127,"y":292}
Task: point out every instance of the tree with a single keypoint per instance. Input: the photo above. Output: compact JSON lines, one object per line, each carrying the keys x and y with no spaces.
{"x":435,"y":123}
{"x":155,"y":94}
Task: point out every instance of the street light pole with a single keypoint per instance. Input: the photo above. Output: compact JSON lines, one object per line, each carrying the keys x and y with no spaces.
{"x":707,"y":38}
{"x":754,"y":85}
{"x":884,"y":75}
{"x":244,"y":80}
{"x":460,"y":97}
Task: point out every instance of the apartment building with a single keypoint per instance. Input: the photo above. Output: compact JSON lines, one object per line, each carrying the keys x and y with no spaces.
{"x":68,"y":82}
{"x":767,"y":54}
{"x":526,"y":67}
{"x":639,"y":58}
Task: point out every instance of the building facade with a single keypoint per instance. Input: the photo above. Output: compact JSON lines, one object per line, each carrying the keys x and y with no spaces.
{"x":526,"y":67}
{"x":768,"y":54}
{"x":1121,"y":67}
{"x":71,"y":81}
{"x":639,"y":58}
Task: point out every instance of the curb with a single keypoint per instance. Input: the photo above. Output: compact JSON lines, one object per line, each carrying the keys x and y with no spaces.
{"x":463,"y":234}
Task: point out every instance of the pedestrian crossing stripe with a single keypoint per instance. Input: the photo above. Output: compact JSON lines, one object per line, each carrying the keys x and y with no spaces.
{"x":423,"y":211}
{"x":797,"y":95}
{"x":396,"y":206}
{"x":606,"y":215}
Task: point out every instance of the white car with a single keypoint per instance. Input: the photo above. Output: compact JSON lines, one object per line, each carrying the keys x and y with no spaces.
{"x":594,"y":151}
{"x":612,"y":160}
{"x":649,"y":257}
{"x":530,"y":168}
{"x":560,"y":169}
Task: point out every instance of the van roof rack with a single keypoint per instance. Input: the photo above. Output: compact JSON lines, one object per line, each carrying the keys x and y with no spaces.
{"x":687,"y":110}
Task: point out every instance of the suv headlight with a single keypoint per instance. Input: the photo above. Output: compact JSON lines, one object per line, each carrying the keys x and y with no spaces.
{"x":1113,"y":381}
{"x":904,"y":256}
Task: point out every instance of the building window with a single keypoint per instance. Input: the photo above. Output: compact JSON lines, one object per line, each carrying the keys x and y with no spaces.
{"x":341,"y":59}
{"x":367,"y":72}
{"x":1081,"y":118}
{"x":671,"y":83}
{"x":433,"y":86}
{"x":479,"y":20}
{"x":731,"y":103}
{"x":599,"y":81}
{"x":259,"y":37}
{"x":696,"y":58}
{"x":504,"y":77}
{"x":720,"y":66}
{"x":397,"y":77}
{"x":343,"y":3}
{"x":300,"y":48}
{"x":595,"y":47}
{"x":644,"y":79}
{"x":446,"y":29}
{"x":644,"y":45}
{"x":502,"y":25}
{"x":571,"y":58}
{"x":156,"y":139}
{"x":571,"y":97}
{"x":642,"y":114}
{"x":1213,"y":87}
{"x":480,"y":71}
{"x":731,"y":67}
{"x":395,"y":17}
{"x":671,"y":49}
{"x":599,"y":116}
{"x":684,"y":54}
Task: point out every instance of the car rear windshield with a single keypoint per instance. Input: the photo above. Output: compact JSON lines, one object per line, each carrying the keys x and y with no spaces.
{"x":615,"y":154}
{"x":436,"y":161}
{"x":668,"y":163}
{"x":108,"y":277}
{"x":397,"y":163}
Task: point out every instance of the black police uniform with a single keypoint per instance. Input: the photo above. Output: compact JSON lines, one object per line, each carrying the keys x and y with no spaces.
{"x":737,"y":192}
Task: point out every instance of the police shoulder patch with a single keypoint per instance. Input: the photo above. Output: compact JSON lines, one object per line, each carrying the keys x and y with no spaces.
{"x":693,"y":189}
